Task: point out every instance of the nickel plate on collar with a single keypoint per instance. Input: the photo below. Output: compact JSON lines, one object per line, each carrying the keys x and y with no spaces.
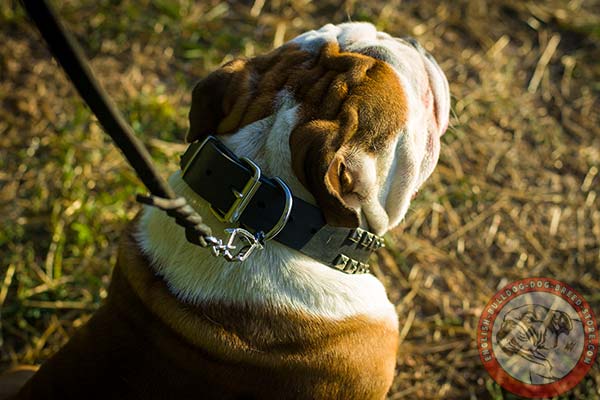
{"x":366,"y":240}
{"x":350,"y":265}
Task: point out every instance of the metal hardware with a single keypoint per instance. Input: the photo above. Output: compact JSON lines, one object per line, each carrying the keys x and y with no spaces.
{"x":283,"y":219}
{"x":355,"y":235}
{"x":350,"y":265}
{"x":363,"y":268}
{"x":340,"y":261}
{"x":242,"y":198}
{"x":366,"y":239}
{"x":249,"y":243}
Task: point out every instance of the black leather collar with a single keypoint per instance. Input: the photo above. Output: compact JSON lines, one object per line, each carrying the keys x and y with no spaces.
{"x":216,"y":174}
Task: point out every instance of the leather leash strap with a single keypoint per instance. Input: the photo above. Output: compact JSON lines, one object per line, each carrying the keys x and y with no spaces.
{"x":65,"y":49}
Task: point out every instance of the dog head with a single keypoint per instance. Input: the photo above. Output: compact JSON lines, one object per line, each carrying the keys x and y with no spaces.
{"x":355,"y":114}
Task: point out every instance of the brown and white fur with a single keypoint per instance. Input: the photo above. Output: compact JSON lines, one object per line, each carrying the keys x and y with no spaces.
{"x":351,"y":119}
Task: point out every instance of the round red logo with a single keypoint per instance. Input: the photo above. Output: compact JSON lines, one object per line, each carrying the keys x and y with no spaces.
{"x":537,"y":337}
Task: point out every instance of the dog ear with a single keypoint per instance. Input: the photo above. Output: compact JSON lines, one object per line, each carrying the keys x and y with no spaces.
{"x":338,"y":182}
{"x":218,"y":101}
{"x":320,"y":166}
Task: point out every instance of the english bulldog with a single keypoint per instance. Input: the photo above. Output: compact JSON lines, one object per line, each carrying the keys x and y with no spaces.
{"x":350,"y":119}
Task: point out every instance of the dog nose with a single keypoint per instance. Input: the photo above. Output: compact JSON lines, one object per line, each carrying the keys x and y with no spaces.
{"x":413,"y":42}
{"x":417,"y":46}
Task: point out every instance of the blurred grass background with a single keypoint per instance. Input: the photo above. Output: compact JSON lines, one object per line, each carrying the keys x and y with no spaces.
{"x":514,"y":195}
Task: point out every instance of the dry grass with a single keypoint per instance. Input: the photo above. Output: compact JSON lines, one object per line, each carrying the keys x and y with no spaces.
{"x":514,"y":195}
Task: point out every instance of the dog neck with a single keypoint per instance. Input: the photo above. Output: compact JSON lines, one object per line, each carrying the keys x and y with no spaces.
{"x":276,"y":277}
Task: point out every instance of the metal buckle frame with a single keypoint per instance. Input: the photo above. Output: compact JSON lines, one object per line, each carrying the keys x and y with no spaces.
{"x":249,"y":242}
{"x":242,"y":199}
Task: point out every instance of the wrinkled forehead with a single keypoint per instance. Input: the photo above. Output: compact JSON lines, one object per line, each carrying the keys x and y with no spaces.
{"x":363,"y":38}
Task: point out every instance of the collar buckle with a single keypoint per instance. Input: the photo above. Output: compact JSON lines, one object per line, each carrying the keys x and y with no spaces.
{"x":243,"y":197}
{"x":251,"y":242}
{"x":240,"y":243}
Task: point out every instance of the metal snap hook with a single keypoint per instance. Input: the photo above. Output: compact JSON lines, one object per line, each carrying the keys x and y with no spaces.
{"x":249,"y":243}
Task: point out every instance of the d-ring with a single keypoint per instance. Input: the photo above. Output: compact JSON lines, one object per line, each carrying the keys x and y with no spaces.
{"x":289,"y":201}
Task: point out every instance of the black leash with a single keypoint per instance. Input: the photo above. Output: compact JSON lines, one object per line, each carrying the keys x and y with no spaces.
{"x":65,"y":49}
